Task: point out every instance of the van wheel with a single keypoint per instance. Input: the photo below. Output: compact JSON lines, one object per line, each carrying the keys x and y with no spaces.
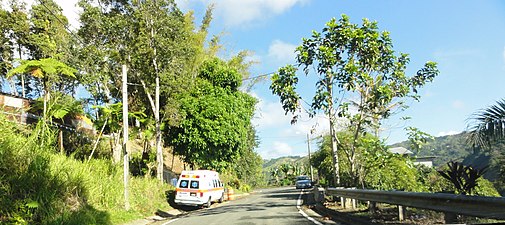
{"x":221,"y":200}
{"x":208,"y":203}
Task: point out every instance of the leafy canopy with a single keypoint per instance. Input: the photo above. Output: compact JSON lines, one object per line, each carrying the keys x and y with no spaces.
{"x":44,"y":68}
{"x":216,"y":125}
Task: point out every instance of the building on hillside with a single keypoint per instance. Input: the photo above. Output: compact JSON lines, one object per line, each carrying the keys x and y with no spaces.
{"x":426,"y":160}
{"x":17,"y":109}
{"x":401,"y":151}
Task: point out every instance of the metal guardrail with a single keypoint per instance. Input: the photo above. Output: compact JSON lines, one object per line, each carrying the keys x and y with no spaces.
{"x":478,"y":206}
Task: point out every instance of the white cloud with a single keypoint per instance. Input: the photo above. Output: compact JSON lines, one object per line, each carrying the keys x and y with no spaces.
{"x":269,"y":114}
{"x":71,"y":11}
{"x":281,"y":52}
{"x":446,"y":133}
{"x":278,"y":149}
{"x":282,"y":148}
{"x":237,"y":13}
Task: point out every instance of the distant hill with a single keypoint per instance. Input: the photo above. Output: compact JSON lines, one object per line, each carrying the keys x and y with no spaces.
{"x":444,"y":148}
{"x":272,"y":163}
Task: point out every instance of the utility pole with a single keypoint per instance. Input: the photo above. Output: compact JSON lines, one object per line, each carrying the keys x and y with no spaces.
{"x":126,"y":161}
{"x":311,"y":170}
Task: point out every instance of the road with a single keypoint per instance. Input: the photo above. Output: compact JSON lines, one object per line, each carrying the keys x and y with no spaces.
{"x":270,"y":207}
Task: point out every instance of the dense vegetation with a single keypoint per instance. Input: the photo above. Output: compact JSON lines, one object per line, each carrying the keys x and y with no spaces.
{"x":181,"y":97}
{"x":39,"y":186}
{"x":360,"y":80}
{"x":458,"y":148}
{"x":283,"y":171}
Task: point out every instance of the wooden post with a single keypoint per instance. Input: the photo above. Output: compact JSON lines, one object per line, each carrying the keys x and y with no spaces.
{"x":60,"y":140}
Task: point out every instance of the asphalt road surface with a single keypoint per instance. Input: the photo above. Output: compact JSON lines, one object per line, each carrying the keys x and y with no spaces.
{"x":269,"y":206}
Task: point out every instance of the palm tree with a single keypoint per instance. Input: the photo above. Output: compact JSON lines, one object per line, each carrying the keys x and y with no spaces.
{"x":48,"y":70}
{"x":489,"y":124}
{"x":274,"y":172}
{"x":285,"y":168}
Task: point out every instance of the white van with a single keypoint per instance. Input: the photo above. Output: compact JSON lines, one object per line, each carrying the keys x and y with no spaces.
{"x":199,"y":187}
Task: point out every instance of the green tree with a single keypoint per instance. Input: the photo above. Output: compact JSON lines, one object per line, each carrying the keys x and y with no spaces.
{"x":48,"y":34}
{"x":48,"y":70}
{"x":216,"y":124}
{"x":6,"y":45}
{"x":417,"y":138}
{"x":20,"y":31}
{"x":360,"y":62}
{"x":379,"y":169}
{"x":134,"y":33}
{"x":285,"y":168}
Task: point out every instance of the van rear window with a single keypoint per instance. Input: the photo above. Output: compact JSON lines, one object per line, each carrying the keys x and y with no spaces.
{"x":194,"y":184}
{"x":184,"y":184}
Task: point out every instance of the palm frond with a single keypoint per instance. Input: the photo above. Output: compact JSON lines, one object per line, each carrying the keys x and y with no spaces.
{"x":487,"y":124}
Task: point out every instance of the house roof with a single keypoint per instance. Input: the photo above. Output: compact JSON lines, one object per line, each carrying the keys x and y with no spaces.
{"x":400,"y":150}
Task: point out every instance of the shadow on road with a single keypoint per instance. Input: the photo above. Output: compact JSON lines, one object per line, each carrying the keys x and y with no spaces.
{"x":289,"y":194}
{"x":170,"y":195}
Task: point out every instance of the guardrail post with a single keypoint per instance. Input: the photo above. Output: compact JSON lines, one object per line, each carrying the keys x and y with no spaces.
{"x":353,"y":200}
{"x":372,"y":207}
{"x":319,"y":194}
{"x":401,"y":212}
{"x":450,"y":217}
{"x":347,"y":203}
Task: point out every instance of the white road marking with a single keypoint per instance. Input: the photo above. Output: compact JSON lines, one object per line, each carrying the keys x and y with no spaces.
{"x":171,"y":221}
{"x":298,"y":206}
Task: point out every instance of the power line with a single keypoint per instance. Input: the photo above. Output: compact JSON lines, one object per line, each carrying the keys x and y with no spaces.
{"x":262,"y":75}
{"x":61,"y":22}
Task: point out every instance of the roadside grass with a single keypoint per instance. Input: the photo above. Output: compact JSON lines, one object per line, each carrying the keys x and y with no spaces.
{"x":103,"y":184}
{"x":40,"y":186}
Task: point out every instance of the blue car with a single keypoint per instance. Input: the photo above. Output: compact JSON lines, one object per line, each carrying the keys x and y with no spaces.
{"x":303,"y":182}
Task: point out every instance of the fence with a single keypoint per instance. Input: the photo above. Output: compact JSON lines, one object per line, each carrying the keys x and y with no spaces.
{"x":478,"y":206}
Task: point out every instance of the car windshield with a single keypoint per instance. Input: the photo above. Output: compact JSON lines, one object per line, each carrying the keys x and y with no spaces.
{"x":302,"y":178}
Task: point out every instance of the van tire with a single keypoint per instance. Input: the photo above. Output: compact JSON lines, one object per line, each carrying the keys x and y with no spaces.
{"x":221,"y":200}
{"x":208,"y":203}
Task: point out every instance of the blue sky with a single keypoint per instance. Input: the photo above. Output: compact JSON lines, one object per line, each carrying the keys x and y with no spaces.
{"x":465,"y":38}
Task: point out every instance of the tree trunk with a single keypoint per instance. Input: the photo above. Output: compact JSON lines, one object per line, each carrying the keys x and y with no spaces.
{"x":333,"y":134}
{"x":159,"y":149}
{"x":116,"y":148}
{"x":22,"y":75}
{"x":60,"y":140}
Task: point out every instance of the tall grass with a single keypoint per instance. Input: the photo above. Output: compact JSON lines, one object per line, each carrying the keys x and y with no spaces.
{"x":40,"y":186}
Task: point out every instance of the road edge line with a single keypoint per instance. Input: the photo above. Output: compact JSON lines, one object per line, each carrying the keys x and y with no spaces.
{"x":298,"y":206}
{"x":170,"y":221}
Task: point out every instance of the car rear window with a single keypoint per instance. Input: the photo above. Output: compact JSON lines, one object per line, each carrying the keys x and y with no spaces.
{"x":194,"y":184}
{"x":184,"y":184}
{"x":302,"y":178}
